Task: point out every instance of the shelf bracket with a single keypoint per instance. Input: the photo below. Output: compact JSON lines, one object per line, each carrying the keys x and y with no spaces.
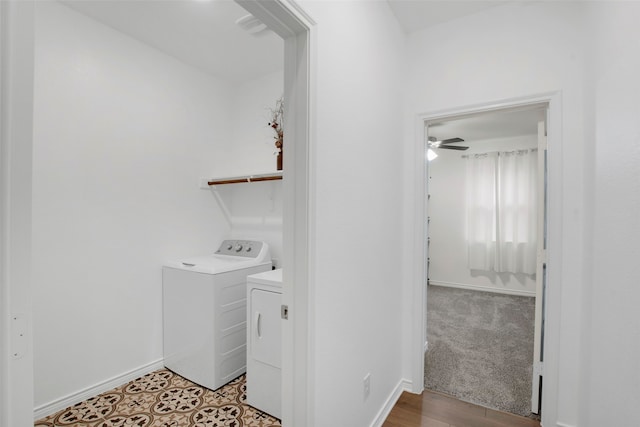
{"x":211,"y":184}
{"x":223,"y":206}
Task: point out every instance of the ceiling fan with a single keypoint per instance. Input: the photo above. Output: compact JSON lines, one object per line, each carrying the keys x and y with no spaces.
{"x":435,"y":143}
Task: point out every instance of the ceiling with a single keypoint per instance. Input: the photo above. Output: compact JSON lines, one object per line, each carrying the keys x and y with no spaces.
{"x":199,"y":33}
{"x":203,"y":34}
{"x":490,"y":125}
{"x":415,"y":15}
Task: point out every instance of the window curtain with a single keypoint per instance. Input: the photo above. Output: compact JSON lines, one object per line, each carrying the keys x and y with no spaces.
{"x":501,"y":194}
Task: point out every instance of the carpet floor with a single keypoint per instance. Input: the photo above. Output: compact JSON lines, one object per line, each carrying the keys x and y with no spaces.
{"x":164,"y":399}
{"x":480,"y":347}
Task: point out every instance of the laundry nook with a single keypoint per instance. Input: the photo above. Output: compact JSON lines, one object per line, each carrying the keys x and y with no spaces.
{"x":173,"y":159}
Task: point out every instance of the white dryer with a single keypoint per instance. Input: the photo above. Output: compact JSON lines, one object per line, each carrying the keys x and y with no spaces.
{"x":264,"y":346}
{"x":204,"y":303}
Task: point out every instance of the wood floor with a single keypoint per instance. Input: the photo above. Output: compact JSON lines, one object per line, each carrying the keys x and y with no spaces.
{"x":432,"y":409}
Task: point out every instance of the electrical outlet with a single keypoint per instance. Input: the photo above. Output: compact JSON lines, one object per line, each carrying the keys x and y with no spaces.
{"x":367,"y":385}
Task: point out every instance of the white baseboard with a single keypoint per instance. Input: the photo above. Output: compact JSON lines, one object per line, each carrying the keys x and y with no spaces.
{"x":383,"y":413}
{"x":81,"y":395}
{"x":483,"y":288}
{"x":558,"y":424}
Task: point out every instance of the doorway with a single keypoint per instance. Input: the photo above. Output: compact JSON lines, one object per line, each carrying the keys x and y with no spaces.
{"x":16,"y":395}
{"x":485,"y":237}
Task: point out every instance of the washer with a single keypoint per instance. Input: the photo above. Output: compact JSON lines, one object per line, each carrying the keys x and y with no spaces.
{"x":204,"y":303}
{"x":264,"y":346}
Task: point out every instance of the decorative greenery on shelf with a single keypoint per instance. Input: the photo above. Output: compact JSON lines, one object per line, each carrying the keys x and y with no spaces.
{"x":276,"y":124}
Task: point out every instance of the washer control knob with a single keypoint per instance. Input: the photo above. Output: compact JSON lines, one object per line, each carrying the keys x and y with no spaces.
{"x":238,"y":247}
{"x":229,"y":246}
{"x":248,"y":249}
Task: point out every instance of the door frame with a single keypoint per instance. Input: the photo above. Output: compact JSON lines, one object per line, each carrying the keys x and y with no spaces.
{"x":418,"y":296}
{"x":541,"y":262}
{"x":16,"y":118}
{"x":297,"y":28}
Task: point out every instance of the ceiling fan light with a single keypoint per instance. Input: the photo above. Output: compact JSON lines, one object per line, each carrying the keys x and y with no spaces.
{"x":431,"y":154}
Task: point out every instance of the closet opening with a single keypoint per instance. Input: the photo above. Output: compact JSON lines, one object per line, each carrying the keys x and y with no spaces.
{"x":88,"y":160}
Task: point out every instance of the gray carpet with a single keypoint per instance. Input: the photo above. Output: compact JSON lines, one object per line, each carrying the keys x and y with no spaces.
{"x":480,"y":347}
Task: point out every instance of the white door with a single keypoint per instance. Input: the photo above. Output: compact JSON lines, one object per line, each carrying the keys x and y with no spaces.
{"x":541,"y":270}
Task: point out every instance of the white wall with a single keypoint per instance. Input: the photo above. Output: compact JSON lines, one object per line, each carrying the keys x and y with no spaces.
{"x":256,"y":209}
{"x":256,"y":213}
{"x":253,"y":143}
{"x":447,"y":228}
{"x":519,"y":50}
{"x":612,"y":324}
{"x":358,"y":210}
{"x":122,"y":135}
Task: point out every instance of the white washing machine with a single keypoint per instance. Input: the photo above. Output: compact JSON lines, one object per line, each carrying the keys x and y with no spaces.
{"x":264,"y":344}
{"x":204,"y":303}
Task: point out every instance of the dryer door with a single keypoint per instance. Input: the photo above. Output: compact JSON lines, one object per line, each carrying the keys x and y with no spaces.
{"x":266,"y":333}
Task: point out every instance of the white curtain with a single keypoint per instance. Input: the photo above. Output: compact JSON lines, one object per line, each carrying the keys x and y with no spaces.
{"x":502,"y":211}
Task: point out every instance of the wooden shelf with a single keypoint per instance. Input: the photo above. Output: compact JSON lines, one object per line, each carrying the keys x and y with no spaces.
{"x":272,"y":176}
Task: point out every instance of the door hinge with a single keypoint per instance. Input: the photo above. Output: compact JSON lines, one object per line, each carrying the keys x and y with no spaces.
{"x":18,"y":336}
{"x":284,"y":312}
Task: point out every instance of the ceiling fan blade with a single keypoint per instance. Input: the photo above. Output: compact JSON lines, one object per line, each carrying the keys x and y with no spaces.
{"x":451,"y":141}
{"x":453,"y":147}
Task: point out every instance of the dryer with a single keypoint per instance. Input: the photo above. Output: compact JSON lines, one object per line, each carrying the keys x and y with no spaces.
{"x":264,"y":344}
{"x":204,"y":302}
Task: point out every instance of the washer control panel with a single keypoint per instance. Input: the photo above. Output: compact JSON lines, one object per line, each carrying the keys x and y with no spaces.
{"x":245,"y":248}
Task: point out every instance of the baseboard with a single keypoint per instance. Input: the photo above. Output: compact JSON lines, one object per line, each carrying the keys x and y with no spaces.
{"x":79,"y":396}
{"x":383,"y":413}
{"x":483,"y":288}
{"x":558,"y":424}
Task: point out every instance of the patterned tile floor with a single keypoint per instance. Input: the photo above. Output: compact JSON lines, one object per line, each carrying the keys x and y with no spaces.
{"x":164,"y":399}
